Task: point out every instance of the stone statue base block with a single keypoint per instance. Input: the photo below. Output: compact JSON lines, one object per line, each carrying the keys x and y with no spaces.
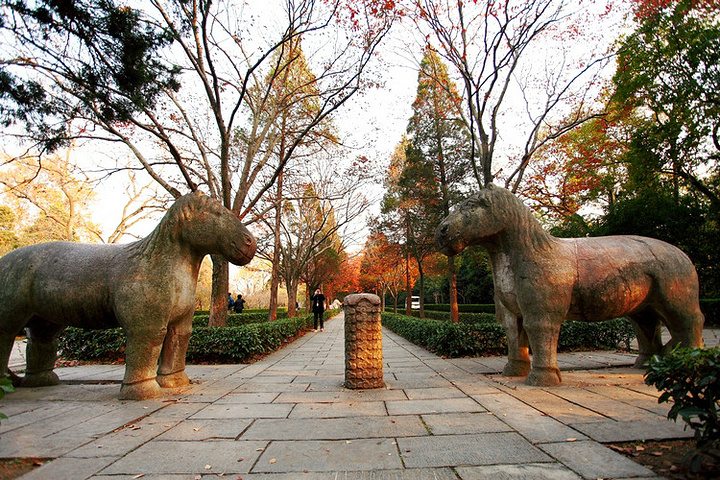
{"x":363,"y":342}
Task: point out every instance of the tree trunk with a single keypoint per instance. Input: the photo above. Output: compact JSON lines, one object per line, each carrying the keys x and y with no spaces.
{"x":275,"y":276}
{"x":219,"y":292}
{"x":422,"y":290}
{"x":408,"y":288}
{"x":452,"y":279}
{"x":292,"y":288}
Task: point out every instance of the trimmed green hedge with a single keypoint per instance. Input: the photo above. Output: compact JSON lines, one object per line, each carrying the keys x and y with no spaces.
{"x":488,"y":338}
{"x":464,"y":317}
{"x":237,"y":343}
{"x":462,"y":307}
{"x":237,"y":319}
{"x":449,"y":339}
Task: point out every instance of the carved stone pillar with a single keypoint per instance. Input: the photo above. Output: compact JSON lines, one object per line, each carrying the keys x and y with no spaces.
{"x":363,"y":341}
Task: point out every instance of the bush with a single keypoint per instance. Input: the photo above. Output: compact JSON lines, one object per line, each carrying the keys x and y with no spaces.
{"x":94,"y":345}
{"x":237,"y":319}
{"x":484,"y":336}
{"x":235,"y":343}
{"x":5,"y":386}
{"x":446,"y":338}
{"x":689,"y":378}
{"x":462,"y":307}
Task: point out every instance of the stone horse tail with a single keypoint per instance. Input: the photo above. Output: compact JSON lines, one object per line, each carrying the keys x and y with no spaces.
{"x":541,"y":280}
{"x":146,"y":287}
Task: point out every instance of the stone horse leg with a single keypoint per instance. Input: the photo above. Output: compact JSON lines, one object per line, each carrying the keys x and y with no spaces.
{"x":41,"y":353}
{"x":647,"y":325}
{"x":171,"y":371}
{"x":518,"y":364}
{"x":7,"y":340}
{"x":142,"y":350}
{"x":543,"y":331}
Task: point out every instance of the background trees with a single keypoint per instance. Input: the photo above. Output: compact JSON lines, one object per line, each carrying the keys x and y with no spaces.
{"x":171,"y":81}
{"x":492,"y":47}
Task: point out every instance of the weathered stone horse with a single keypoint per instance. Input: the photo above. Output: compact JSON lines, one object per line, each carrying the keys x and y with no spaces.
{"x":541,"y":280}
{"x":146,"y":287}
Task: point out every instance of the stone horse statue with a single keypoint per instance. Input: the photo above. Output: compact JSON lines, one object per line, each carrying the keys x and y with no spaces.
{"x":146,"y":287}
{"x":541,"y":280}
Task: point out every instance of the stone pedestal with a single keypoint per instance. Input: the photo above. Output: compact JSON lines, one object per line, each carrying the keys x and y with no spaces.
{"x":363,"y":341}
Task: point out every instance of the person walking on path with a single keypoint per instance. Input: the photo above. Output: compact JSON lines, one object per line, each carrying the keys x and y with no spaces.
{"x":239,"y":304}
{"x":318,"y":308}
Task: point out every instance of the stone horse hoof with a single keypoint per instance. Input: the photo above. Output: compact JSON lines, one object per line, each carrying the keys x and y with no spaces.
{"x":544,"y":377}
{"x":40,"y":379}
{"x":173,"y":380}
{"x":141,"y":390}
{"x":516,"y":368}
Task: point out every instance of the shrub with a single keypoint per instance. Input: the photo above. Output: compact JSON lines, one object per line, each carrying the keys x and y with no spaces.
{"x":689,"y":378}
{"x":484,"y":336}
{"x":462,"y":307}
{"x":237,"y":319}
{"x":237,"y":343}
{"x":94,"y":345}
{"x":5,"y":386}
{"x":446,"y":338}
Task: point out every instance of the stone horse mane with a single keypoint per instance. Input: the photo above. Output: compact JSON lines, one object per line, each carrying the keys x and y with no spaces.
{"x":520,"y":224}
{"x":170,"y":226}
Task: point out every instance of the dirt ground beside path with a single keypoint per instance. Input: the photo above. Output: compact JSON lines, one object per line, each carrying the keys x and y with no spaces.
{"x":665,"y":457}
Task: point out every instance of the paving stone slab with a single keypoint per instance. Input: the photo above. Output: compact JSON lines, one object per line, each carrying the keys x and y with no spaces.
{"x":479,"y":449}
{"x":379,"y":394}
{"x":163,"y":457}
{"x":592,"y":460}
{"x":123,"y":440}
{"x":464,"y":423}
{"x":535,"y":425}
{"x":553,"y":405}
{"x":543,"y":471}
{"x":335,"y":428}
{"x":247,"y":397}
{"x":250,"y":410}
{"x":444,"y":405}
{"x":633,"y":397}
{"x":200,"y":430}
{"x":69,"y":468}
{"x":313,"y":456}
{"x":338,"y":409}
{"x":611,"y":431}
{"x":432,"y":393}
{"x":605,"y":406}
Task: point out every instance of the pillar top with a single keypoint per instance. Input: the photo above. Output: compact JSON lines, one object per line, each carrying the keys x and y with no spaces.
{"x":355,"y":298}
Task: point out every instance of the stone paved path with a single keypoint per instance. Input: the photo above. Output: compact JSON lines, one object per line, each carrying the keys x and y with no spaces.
{"x":288,"y":417}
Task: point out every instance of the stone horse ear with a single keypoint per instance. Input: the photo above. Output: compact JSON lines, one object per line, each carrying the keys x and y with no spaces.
{"x":484,"y":196}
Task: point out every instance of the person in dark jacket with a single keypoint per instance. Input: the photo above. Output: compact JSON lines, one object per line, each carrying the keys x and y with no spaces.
{"x":239,"y":304}
{"x":318,"y":308}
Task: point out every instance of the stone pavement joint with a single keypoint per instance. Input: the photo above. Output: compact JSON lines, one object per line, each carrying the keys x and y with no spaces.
{"x":288,"y":416}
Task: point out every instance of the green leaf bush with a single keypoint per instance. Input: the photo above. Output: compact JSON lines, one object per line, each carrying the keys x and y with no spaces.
{"x":688,"y":377}
{"x":239,"y":342}
{"x":5,"y":386}
{"x":462,"y":307}
{"x":485,"y":337}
